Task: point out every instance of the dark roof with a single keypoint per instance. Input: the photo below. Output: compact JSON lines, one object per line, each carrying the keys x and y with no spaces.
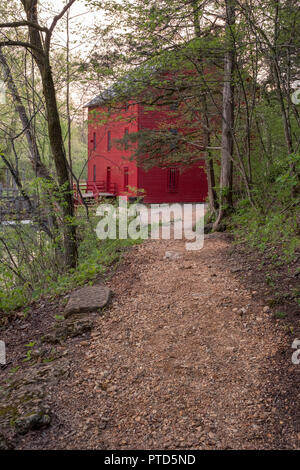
{"x":128,"y":86}
{"x":105,"y":96}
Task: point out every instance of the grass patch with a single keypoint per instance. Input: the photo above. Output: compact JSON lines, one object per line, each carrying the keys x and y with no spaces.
{"x":46,"y":278}
{"x":275,"y":234}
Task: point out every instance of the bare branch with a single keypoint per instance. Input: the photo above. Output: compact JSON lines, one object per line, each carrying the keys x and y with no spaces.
{"x":54,"y":23}
{"x":27,"y":45}
{"x":18,"y":24}
{"x":60,"y":15}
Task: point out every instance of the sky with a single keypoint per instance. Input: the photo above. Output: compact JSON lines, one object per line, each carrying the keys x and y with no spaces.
{"x":81,"y":18}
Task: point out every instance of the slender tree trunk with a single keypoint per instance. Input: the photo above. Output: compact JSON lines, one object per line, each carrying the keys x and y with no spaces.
{"x":42,"y":59}
{"x":68,"y":101}
{"x":60,"y":160}
{"x":209,"y":165}
{"x":38,"y":167}
{"x":227,"y":118}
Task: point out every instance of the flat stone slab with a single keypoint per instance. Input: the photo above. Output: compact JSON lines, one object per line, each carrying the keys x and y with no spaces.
{"x":172,"y":255}
{"x":88,"y":299}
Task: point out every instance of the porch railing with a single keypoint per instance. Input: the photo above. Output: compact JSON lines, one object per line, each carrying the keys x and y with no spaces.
{"x":93,"y":190}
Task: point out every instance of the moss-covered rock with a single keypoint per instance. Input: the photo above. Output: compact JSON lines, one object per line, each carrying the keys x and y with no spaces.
{"x":23,"y":401}
{"x":70,"y":329}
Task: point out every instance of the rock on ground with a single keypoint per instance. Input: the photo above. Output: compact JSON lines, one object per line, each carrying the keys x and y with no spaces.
{"x":88,"y":299}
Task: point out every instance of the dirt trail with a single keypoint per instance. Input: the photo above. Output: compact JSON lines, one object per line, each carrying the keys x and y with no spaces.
{"x":174,"y":363}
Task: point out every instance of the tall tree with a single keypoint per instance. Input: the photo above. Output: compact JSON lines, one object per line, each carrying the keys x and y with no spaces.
{"x":39,"y":44}
{"x":227,"y":114}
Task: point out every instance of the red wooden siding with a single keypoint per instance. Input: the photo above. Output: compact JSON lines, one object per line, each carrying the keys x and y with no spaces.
{"x":112,"y":165}
{"x":188,"y":184}
{"x":108,"y":159}
{"x":191,"y":185}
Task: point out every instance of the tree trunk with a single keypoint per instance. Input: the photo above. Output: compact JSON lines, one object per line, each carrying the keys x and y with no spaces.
{"x":227,"y":118}
{"x":41,"y":57}
{"x":209,"y":166}
{"x":38,"y":167}
{"x":60,"y":160}
{"x":68,"y":100}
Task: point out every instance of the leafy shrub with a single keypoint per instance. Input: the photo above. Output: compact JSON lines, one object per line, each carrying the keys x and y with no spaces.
{"x":34,"y":271}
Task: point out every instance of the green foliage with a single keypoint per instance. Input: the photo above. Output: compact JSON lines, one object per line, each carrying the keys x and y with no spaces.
{"x":279,"y":315}
{"x":59,"y":317}
{"x":47,"y":277}
{"x":275,"y":232}
{"x":271,"y":223}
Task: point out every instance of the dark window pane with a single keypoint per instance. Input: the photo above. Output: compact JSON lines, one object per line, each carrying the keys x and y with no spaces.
{"x":173,"y":177}
{"x":126,"y":178}
{"x":126,"y":135}
{"x":108,"y":140}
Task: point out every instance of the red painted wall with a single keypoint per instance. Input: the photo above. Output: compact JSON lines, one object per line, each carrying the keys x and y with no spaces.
{"x":191,"y":184}
{"x":117,"y":159}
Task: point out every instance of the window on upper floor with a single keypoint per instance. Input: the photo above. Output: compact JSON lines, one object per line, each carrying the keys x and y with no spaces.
{"x":108,"y":140}
{"x":94,"y":141}
{"x":126,"y":137}
{"x":173,"y":178}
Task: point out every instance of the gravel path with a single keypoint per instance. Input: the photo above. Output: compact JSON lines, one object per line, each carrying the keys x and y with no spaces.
{"x":184,"y":357}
